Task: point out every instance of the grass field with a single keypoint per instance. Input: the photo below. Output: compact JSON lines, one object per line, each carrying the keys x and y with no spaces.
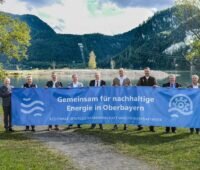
{"x":17,"y":152}
{"x":180,"y":151}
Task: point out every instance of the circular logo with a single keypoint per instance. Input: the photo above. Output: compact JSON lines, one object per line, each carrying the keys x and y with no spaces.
{"x":181,"y":104}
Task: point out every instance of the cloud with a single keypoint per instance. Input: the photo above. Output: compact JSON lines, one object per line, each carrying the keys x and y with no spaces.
{"x":160,"y":4}
{"x":40,"y":3}
{"x":87,"y":16}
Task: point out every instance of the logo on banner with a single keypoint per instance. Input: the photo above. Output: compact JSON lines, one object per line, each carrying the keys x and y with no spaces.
{"x":181,"y":104}
{"x":35,"y":108}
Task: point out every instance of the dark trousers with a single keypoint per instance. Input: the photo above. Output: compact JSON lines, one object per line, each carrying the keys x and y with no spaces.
{"x":192,"y":130}
{"x":7,"y":117}
{"x":151,"y":128}
{"x":33,"y":127}
{"x":94,"y":125}
{"x":79,"y":125}
{"x":115,"y":126}
{"x":50,"y":126}
{"x":173,"y":129}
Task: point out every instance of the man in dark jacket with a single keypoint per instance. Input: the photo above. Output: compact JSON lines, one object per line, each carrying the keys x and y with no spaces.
{"x":54,"y":83}
{"x":97,"y":83}
{"x":147,"y":80}
{"x":171,"y":84}
{"x":29,"y":84}
{"x":5,"y":93}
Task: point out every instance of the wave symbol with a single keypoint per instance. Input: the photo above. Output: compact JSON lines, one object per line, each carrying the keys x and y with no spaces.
{"x":35,"y":106}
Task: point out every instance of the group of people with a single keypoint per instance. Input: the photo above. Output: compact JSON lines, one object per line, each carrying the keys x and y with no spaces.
{"x":121,"y":80}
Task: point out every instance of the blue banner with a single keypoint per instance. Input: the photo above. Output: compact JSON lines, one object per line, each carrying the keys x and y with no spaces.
{"x":107,"y":105}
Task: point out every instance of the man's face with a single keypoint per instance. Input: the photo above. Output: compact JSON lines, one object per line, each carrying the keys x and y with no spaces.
{"x":29,"y":80}
{"x":74,"y":78}
{"x":7,"y":82}
{"x":121,"y":73}
{"x":146,"y":72}
{"x":54,"y":77}
{"x":97,"y":76}
{"x":195,"y":80}
{"x":172,"y":79}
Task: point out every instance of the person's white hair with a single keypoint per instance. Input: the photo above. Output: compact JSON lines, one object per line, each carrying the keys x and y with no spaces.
{"x":29,"y":77}
{"x":195,"y":76}
{"x":172,"y":76}
{"x":74,"y":74}
{"x":7,"y":79}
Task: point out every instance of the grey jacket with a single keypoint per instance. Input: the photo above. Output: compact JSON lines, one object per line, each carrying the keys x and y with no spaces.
{"x":71,"y":85}
{"x":116,"y":82}
{"x":5,"y":93}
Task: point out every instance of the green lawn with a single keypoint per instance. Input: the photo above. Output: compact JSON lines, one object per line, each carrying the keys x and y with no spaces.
{"x":17,"y":152}
{"x":166,"y":151}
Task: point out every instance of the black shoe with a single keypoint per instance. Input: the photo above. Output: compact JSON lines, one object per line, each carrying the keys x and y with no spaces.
{"x":92,"y":127}
{"x":11,"y":130}
{"x":197,"y":132}
{"x":173,"y":131}
{"x":56,"y":128}
{"x":139,"y":128}
{"x":69,"y":127}
{"x":49,"y":129}
{"x":152,"y":130}
{"x":101,"y":128}
{"x":27,"y":129}
{"x":115,"y":127}
{"x":33,"y":130}
{"x":125,"y":128}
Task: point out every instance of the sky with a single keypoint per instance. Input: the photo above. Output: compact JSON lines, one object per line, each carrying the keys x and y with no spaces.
{"x":108,"y":17}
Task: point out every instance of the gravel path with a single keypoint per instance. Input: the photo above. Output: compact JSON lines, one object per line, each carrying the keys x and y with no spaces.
{"x":88,"y":152}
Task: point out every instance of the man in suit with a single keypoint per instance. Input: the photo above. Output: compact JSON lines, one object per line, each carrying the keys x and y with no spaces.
{"x":97,"y":83}
{"x":195,"y":85}
{"x":53,"y":83}
{"x":29,"y":84}
{"x":171,"y":84}
{"x":122,"y":80}
{"x":5,"y":93}
{"x":74,"y":84}
{"x":147,"y":80}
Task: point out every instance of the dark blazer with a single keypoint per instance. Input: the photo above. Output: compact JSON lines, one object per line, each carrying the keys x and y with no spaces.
{"x":5,"y":93}
{"x":126,"y":82}
{"x":143,"y":81}
{"x":26,"y":85}
{"x":50,"y":84}
{"x":92,"y":83}
{"x":177,"y":85}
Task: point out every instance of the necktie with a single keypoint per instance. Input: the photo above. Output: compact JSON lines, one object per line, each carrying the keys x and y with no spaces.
{"x":97,"y":83}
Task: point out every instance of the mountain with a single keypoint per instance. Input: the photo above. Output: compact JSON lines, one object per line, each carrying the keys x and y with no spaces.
{"x":63,"y":50}
{"x":160,"y":43}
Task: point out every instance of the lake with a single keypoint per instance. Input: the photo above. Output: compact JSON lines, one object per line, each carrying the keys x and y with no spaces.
{"x":184,"y":78}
